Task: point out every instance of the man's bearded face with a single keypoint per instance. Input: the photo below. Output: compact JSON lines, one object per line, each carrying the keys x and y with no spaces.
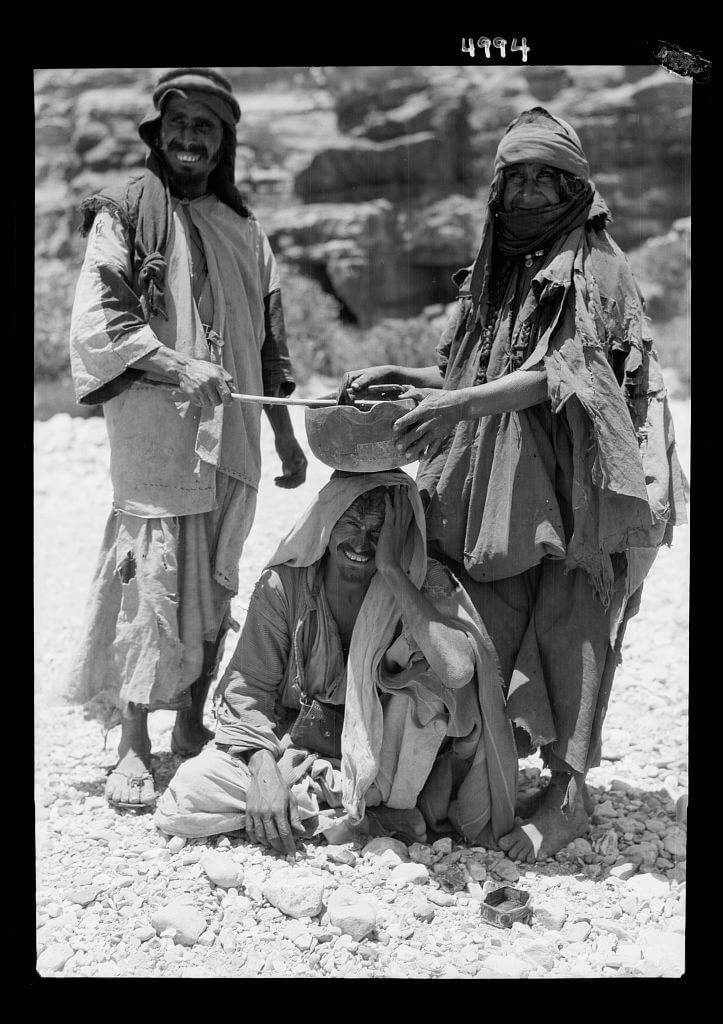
{"x":353,"y":541}
{"x":190,"y":140}
{"x":528,"y":186}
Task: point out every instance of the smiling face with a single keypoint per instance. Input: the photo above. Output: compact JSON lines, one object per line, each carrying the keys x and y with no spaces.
{"x":353,"y":541}
{"x":190,"y":141}
{"x":528,"y":186}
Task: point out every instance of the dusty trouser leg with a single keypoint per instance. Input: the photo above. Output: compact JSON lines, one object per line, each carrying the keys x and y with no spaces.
{"x":146,"y":650}
{"x":563,"y":675}
{"x":190,"y":735}
{"x":505,"y":607}
{"x":206,"y":796}
{"x":210,"y":547}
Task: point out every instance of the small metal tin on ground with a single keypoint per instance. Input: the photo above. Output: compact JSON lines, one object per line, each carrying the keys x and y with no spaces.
{"x":503,"y":906}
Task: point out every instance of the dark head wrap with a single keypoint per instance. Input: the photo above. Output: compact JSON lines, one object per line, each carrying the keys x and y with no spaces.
{"x":213,"y":89}
{"x":151,"y":215}
{"x":536,"y":136}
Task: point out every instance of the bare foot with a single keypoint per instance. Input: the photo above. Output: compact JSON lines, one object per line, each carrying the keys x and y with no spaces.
{"x":547,"y":831}
{"x":189,"y":735}
{"x":406,"y":823}
{"x":529,"y":802}
{"x":130,"y":783}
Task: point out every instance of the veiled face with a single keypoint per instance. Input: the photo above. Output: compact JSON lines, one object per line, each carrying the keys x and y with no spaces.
{"x":528,"y":186}
{"x":353,"y":541}
{"x":190,"y":140}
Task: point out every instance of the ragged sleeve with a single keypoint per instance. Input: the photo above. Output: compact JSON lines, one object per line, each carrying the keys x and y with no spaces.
{"x":456,"y":324}
{"x":276,"y":369}
{"x":631,"y":351}
{"x":252,"y":682}
{"x":108,"y":331}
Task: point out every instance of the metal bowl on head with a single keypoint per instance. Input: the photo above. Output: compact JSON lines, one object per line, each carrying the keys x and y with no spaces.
{"x":358,"y":440}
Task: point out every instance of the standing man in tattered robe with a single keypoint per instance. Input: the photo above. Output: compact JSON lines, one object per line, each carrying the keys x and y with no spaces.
{"x":178,"y":303}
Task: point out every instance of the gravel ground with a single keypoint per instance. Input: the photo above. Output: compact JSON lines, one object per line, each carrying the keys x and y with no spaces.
{"x":115,"y":899}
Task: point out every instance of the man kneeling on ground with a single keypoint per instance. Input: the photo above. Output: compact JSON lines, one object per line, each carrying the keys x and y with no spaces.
{"x":363,"y":688}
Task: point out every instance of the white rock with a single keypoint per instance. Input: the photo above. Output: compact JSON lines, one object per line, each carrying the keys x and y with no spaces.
{"x":294,"y":893}
{"x":443,"y":846}
{"x":236,"y":909}
{"x":675,"y":845}
{"x":551,"y":914}
{"x":156,"y":853}
{"x":535,"y":951}
{"x":576,"y":932}
{"x":54,"y":958}
{"x":176,"y":844}
{"x":620,"y":786}
{"x":339,"y":833}
{"x":186,"y":922}
{"x":623,"y":871}
{"x":222,"y":869}
{"x":144,"y":933}
{"x":82,"y":894}
{"x":649,"y":885}
{"x":340,"y":855}
{"x":510,"y":966}
{"x":353,"y":914}
{"x":628,"y":952}
{"x":441,"y":898}
{"x":605,"y":924}
{"x":416,"y":874}
{"x":422,"y":909}
{"x":665,"y":948}
{"x":478,"y":871}
{"x":380,"y":845}
{"x":505,"y":869}
{"x":420,"y":853}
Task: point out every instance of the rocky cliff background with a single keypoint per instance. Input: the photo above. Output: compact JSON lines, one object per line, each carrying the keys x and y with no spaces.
{"x":371,"y":184}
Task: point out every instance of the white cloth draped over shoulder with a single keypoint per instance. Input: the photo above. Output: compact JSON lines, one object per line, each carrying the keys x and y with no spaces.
{"x":486,"y":796}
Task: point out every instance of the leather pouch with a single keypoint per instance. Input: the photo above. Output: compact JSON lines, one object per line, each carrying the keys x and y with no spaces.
{"x":318,"y":728}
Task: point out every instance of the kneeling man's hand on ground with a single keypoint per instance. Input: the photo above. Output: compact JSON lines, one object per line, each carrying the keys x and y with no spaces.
{"x":271,"y":809}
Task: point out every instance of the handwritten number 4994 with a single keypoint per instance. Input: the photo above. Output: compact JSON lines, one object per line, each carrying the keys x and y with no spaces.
{"x":499,"y":43}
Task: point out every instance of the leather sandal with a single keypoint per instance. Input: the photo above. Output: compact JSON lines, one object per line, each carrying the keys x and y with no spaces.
{"x":145,"y":784}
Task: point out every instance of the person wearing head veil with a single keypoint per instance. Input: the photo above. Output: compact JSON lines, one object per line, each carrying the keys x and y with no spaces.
{"x":547,"y":457}
{"x":178,"y":300}
{"x":350,"y":616}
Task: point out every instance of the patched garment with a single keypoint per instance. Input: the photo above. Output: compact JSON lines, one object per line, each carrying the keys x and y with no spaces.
{"x":159,"y":605}
{"x":593,"y":472}
{"x":165,"y":451}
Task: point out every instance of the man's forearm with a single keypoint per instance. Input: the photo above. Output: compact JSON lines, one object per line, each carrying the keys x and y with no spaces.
{"x":443,"y":646}
{"x":260,"y":759}
{"x":417,"y":376}
{"x":280,"y":420}
{"x":164,"y":363}
{"x":518,"y":390}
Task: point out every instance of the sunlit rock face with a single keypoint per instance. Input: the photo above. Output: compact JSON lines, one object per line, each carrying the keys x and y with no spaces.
{"x":373,"y":180}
